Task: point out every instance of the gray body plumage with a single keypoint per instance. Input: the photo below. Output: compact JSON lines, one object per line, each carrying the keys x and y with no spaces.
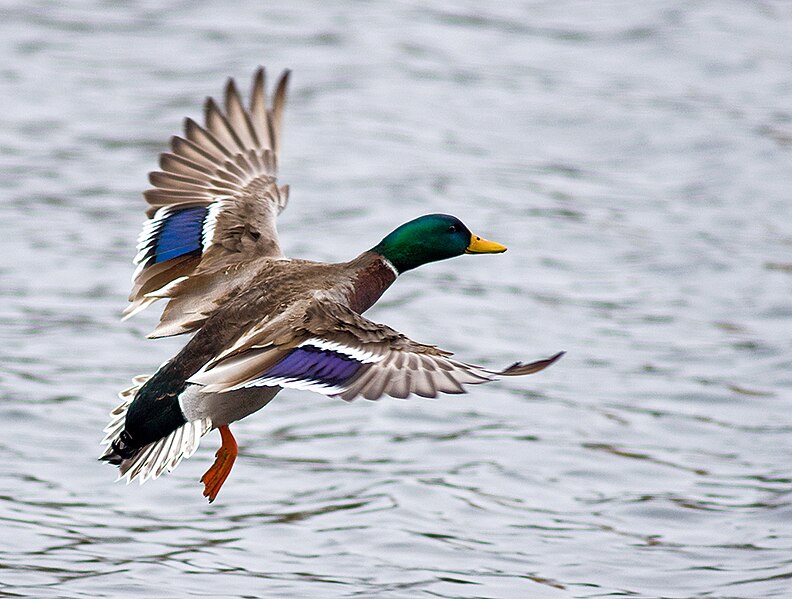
{"x":224,"y":408}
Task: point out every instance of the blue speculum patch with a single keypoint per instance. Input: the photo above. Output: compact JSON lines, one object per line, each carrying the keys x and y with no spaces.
{"x":314,"y":364}
{"x":180,"y":234}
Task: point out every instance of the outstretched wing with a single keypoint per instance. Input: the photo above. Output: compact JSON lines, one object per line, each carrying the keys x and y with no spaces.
{"x":335,"y":351}
{"x":215,"y":201}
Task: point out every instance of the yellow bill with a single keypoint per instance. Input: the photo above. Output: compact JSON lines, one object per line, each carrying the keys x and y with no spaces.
{"x":479,"y":245}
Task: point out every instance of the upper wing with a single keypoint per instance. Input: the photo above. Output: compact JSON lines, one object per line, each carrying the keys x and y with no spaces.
{"x":215,"y":201}
{"x":335,"y":351}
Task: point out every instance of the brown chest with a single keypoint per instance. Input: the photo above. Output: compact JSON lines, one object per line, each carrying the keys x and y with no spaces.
{"x":369,"y":283}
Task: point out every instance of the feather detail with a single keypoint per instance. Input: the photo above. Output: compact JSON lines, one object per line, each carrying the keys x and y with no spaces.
{"x":520,"y":369}
{"x":215,"y":197}
{"x":325,"y":347}
{"x":157,"y":457}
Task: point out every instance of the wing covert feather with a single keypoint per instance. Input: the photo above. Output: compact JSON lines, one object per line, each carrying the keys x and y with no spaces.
{"x":326,"y":347}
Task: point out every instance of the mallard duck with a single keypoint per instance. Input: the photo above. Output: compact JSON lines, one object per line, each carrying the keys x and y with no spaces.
{"x":262,"y":321}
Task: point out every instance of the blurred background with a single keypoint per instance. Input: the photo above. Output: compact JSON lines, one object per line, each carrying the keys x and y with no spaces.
{"x":635,"y":157}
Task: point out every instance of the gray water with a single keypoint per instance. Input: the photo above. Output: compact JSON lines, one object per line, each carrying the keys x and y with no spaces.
{"x":636,"y":157}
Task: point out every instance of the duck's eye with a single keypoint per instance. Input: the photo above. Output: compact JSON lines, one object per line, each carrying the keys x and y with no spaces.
{"x":452,"y":229}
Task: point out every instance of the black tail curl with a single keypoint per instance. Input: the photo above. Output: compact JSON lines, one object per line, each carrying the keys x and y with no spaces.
{"x":120,"y":449}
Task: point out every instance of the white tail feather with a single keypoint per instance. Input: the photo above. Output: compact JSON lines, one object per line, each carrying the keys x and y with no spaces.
{"x":157,"y":457}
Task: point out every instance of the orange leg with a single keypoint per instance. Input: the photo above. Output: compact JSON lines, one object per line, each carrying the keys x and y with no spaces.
{"x":214,"y":478}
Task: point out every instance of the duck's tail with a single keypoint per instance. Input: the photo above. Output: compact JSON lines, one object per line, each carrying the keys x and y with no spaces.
{"x":155,"y":458}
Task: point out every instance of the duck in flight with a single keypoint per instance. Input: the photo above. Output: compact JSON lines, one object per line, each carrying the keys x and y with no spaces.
{"x":261,"y":321}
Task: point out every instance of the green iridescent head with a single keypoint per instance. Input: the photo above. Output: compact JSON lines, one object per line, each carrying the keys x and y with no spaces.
{"x":430,"y":238}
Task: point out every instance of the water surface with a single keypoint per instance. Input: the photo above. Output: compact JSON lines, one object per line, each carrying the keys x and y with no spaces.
{"x":635,"y":157}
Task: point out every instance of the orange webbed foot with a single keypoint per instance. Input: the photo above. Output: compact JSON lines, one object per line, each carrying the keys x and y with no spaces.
{"x":214,"y":478}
